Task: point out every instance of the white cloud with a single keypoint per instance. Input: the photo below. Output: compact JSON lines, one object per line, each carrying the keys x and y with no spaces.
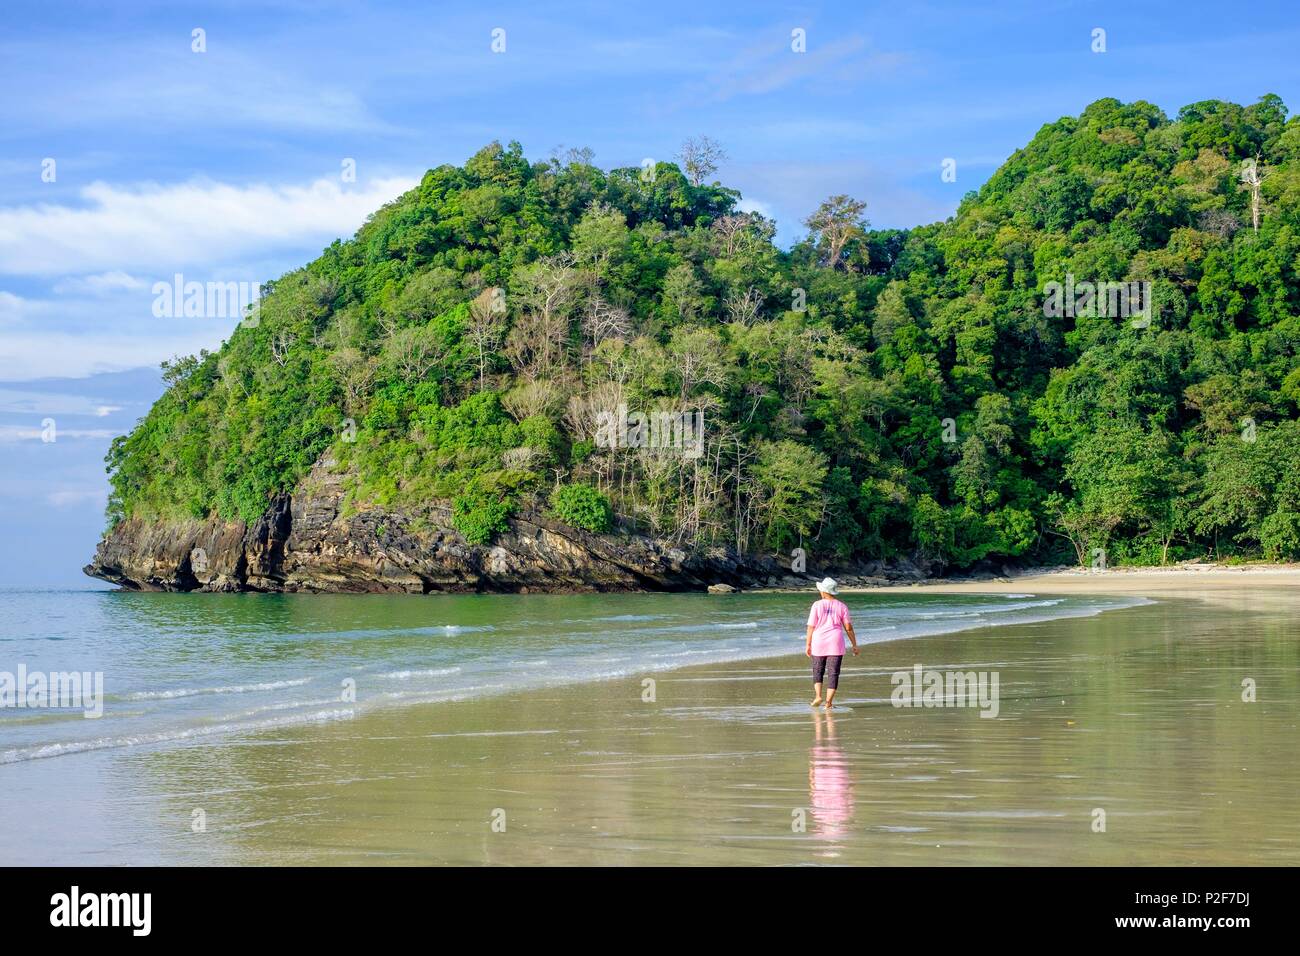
{"x":754,"y":205}
{"x":20,"y":402}
{"x":163,"y":84}
{"x":109,"y":251}
{"x":13,"y":433}
{"x":102,"y":284}
{"x":61,"y":354}
{"x":161,"y":228}
{"x":70,"y":497}
{"x":11,"y":308}
{"x":770,"y":65}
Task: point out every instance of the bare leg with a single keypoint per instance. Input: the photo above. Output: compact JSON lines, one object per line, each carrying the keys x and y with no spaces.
{"x":817,"y":694}
{"x":830,"y":698}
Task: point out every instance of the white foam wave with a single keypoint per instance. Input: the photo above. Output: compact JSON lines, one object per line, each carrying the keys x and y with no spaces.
{"x":42,"y":751}
{"x":430,"y":672}
{"x":535,"y":673}
{"x":232,"y":689}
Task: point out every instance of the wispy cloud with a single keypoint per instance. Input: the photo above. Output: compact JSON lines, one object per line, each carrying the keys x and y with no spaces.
{"x":56,"y":353}
{"x":163,"y":227}
{"x":109,"y":250}
{"x":163,"y":82}
{"x":72,"y":497}
{"x":772,"y":65}
{"x":16,"y":433}
{"x":11,"y":307}
{"x":756,"y":205}
{"x":22,"y":402}
{"x":101,"y":284}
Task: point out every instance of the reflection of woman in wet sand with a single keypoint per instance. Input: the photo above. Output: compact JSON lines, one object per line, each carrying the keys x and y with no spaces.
{"x":830,"y":785}
{"x":824,"y":641}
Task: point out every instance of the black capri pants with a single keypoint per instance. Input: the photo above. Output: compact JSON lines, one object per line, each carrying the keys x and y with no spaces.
{"x":829,"y":668}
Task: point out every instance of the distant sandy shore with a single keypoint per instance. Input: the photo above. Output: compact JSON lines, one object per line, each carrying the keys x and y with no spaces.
{"x":1184,"y":578}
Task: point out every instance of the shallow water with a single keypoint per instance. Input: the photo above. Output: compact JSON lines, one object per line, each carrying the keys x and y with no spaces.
{"x":178,"y":666}
{"x":1136,"y":712}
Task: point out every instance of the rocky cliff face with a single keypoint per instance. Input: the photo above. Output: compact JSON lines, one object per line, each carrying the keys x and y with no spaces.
{"x":308,"y":542}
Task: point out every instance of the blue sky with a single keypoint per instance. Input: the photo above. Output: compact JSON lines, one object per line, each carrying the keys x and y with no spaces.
{"x":225,"y":165}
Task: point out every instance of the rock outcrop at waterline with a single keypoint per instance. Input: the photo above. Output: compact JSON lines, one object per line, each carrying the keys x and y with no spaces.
{"x":309,"y":542}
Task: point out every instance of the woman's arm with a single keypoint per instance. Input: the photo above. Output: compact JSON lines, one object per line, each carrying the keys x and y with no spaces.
{"x":853,"y":638}
{"x":807,"y":642}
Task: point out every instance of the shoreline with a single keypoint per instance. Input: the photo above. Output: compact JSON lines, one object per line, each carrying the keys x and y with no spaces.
{"x":397,"y":698}
{"x":1188,"y":577}
{"x":709,"y":768}
{"x":1173,"y":579}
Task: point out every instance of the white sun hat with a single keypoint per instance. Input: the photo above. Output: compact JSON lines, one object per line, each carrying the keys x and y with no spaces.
{"x":827,"y":585}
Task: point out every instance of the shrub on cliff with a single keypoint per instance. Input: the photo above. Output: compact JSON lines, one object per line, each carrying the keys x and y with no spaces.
{"x":583,"y":507}
{"x":480,"y":517}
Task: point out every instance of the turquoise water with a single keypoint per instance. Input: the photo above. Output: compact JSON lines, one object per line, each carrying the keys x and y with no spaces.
{"x":177,"y":667}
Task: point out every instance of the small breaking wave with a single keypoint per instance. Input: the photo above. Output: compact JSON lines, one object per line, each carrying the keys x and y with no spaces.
{"x":428,"y":672}
{"x":42,"y":751}
{"x":542,"y":654}
{"x":195,"y":691}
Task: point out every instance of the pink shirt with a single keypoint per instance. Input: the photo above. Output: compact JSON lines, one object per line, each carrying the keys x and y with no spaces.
{"x":828,"y":618}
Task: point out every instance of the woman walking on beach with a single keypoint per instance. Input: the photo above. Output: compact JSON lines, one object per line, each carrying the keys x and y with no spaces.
{"x":824,"y":642}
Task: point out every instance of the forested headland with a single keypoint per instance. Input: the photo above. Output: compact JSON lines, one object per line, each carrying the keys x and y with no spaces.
{"x":866,"y":393}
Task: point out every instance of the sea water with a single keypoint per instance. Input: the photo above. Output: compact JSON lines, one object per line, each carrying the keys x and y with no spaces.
{"x":176,"y":667}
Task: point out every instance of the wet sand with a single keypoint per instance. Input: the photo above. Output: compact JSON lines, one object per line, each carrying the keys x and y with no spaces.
{"x":1177,"y":579}
{"x":1138,"y":713}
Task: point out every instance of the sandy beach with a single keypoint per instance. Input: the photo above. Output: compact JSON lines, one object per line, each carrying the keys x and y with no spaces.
{"x":1131,"y":720}
{"x":1188,"y":579}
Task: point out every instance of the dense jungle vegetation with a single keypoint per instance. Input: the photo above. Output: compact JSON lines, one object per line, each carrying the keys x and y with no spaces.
{"x":869,"y":393}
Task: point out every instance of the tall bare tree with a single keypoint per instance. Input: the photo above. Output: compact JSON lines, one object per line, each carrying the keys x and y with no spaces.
{"x":545,"y":293}
{"x":355,"y":373}
{"x":697,"y":359}
{"x":730,"y":232}
{"x":281,"y":343}
{"x":486,"y":326}
{"x":411,"y":353}
{"x":700,"y":158}
{"x":744,"y":307}
{"x":603,"y":320}
{"x":1252,"y":177}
